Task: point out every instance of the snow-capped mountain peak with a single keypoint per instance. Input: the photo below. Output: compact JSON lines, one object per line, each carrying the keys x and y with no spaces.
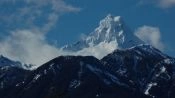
{"x":113,"y":28}
{"x":110,"y":29}
{"x":110,"y":21}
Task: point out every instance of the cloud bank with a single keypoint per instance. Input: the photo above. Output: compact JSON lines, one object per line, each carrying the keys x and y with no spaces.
{"x":150,"y":35}
{"x":28,"y":47}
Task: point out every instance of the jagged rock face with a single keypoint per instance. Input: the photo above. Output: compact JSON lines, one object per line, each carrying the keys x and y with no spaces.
{"x":110,"y":29}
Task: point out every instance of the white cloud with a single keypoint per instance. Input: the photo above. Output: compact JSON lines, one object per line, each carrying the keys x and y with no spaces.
{"x":28,"y":47}
{"x":160,"y":3}
{"x":99,"y":51}
{"x":150,"y":35}
{"x":33,"y":14}
{"x":166,"y":3}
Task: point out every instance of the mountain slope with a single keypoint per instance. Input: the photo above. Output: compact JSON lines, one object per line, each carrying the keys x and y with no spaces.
{"x":149,"y":70}
{"x":11,"y":77}
{"x":12,"y":74}
{"x":70,"y":77}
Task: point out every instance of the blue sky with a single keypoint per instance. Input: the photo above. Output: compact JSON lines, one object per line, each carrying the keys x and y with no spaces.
{"x":60,"y":22}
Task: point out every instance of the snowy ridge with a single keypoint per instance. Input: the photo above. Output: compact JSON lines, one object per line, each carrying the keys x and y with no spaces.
{"x":149,"y":49}
{"x":6,"y":62}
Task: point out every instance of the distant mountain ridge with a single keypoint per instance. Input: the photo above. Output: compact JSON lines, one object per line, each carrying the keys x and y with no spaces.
{"x":6,"y":62}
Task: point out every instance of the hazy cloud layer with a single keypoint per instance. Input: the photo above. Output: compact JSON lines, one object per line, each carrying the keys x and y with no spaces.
{"x":160,"y":3}
{"x":150,"y":35}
